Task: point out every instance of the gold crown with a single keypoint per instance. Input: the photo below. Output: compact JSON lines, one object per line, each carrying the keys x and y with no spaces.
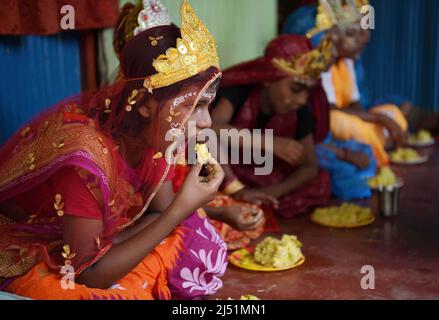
{"x":336,"y":13}
{"x":308,"y":66}
{"x":360,"y":4}
{"x":195,"y":52}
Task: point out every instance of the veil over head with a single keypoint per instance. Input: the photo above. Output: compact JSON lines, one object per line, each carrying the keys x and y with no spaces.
{"x":97,"y":131}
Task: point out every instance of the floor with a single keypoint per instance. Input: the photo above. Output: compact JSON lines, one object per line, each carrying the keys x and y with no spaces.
{"x":403,"y":251}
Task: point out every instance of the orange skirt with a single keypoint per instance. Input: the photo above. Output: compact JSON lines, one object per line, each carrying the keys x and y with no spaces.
{"x":349,"y":127}
{"x":147,"y":281}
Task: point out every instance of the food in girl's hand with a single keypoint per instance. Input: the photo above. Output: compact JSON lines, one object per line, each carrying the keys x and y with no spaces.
{"x":203,"y":154}
{"x":385,"y":177}
{"x":405,"y":155}
{"x":276,"y":253}
{"x":423,"y":136}
{"x":348,"y":215}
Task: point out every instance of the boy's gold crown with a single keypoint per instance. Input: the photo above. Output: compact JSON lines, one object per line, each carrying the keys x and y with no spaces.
{"x":336,"y":13}
{"x":195,"y":52}
{"x":308,"y":66}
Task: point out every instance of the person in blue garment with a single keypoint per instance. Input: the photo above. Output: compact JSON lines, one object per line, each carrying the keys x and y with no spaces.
{"x":380,"y":126}
{"x":349,"y":163}
{"x":304,"y":19}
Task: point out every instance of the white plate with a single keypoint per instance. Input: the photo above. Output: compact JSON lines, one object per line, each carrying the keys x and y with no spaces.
{"x":420,"y":160}
{"x":422,"y":144}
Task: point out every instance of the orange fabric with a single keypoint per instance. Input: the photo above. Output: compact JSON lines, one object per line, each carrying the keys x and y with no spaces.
{"x":350,"y":127}
{"x":393,"y":112}
{"x":147,"y":281}
{"x":343,"y":84}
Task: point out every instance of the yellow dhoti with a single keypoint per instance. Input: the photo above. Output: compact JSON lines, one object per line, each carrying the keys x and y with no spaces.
{"x":350,"y":127}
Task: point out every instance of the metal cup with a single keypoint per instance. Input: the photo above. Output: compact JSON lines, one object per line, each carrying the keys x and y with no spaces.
{"x":388,"y":200}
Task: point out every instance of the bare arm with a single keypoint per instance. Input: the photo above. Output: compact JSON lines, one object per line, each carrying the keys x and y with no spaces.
{"x":238,"y":217}
{"x":159,"y":203}
{"x":304,"y":174}
{"x":356,"y":110}
{"x":124,"y":256}
{"x":387,"y":122}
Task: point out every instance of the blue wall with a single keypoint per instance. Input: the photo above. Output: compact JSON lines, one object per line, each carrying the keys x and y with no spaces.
{"x":35,"y":72}
{"x":403,"y":56}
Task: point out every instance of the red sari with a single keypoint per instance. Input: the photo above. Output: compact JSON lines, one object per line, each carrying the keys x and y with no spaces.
{"x":70,"y":165}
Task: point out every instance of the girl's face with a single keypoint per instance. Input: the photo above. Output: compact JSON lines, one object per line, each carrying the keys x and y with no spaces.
{"x":200,"y":116}
{"x":287,"y":95}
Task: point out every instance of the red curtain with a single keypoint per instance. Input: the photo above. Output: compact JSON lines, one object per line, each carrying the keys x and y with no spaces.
{"x":21,"y":17}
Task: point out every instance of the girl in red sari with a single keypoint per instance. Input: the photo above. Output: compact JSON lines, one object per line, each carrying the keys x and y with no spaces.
{"x":280,"y":91}
{"x":237,"y":222}
{"x":86,"y":203}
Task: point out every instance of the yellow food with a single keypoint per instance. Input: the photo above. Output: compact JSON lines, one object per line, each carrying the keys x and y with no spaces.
{"x":421,"y":137}
{"x":404,"y":155}
{"x":347,"y":215}
{"x":385,"y":177}
{"x":203,"y":154}
{"x":249,"y":297}
{"x":276,"y":253}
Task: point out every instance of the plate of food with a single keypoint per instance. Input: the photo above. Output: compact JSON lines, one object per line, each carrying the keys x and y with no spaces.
{"x":421,"y":139}
{"x":346,"y":216}
{"x":407,"y":156}
{"x":271,"y":255}
{"x":385,"y":178}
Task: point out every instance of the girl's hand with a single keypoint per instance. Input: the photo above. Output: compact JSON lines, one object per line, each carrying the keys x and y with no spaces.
{"x":289,"y":150}
{"x":242,"y":218}
{"x":197,"y":190}
{"x":256,"y":197}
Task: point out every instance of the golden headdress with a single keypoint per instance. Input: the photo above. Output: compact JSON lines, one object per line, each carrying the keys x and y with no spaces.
{"x":336,"y":13}
{"x":360,"y":4}
{"x":309,"y":66}
{"x":195,"y":52}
